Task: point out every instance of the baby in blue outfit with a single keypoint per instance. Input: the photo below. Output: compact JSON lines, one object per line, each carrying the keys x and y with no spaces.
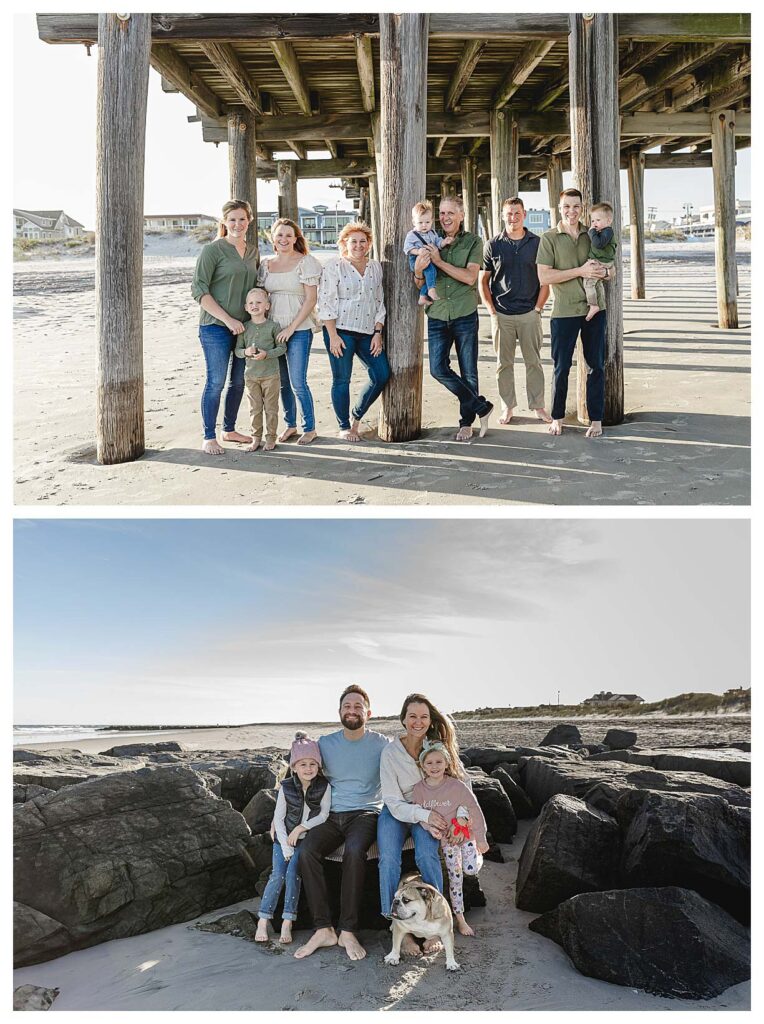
{"x":422,"y":235}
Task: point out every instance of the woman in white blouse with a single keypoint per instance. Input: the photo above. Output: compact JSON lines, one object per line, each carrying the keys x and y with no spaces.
{"x":352,"y":309}
{"x":291,"y":279}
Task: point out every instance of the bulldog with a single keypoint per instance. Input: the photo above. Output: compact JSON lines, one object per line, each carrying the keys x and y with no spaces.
{"x":419,"y":909}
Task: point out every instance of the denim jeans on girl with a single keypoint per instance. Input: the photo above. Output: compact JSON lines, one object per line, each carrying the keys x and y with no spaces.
{"x":429,"y":273}
{"x":293,"y":368}
{"x":218,"y":344}
{"x":282,"y":870}
{"x":378,"y":369}
{"x":391,"y":835}
{"x":462,"y":332}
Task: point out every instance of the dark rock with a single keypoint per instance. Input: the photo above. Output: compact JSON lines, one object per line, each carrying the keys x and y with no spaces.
{"x":667,"y":941}
{"x":619,"y":739}
{"x":561,"y":735}
{"x":258,"y":813}
{"x":497,"y":810}
{"x":543,"y":777}
{"x":494,"y":854}
{"x":521,"y":805}
{"x":123,"y":855}
{"x":700,"y":842}
{"x":242,"y":925}
{"x":55,"y":769}
{"x":134,"y":749}
{"x":729,"y":765}
{"x":512,"y":770}
{"x":489,"y":757}
{"x":571,"y":848}
{"x":23,"y":793}
{"x":38,"y":755}
{"x":554,"y":753}
{"x":32,"y":997}
{"x":593,"y":748}
{"x":465,"y":760}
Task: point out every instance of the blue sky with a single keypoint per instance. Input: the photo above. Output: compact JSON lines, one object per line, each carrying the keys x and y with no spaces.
{"x":183,"y":174}
{"x":232,"y":621}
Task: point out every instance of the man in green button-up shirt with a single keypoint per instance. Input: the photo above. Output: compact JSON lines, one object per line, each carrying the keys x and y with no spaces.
{"x":563,"y":261}
{"x":452,"y":319}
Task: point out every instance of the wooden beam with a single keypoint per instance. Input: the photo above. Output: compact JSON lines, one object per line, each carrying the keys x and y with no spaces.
{"x":376,"y":228}
{"x":661,"y":76}
{"x":469,"y":192}
{"x":705,"y":84}
{"x":166,"y":61}
{"x":340,"y":168}
{"x":668,"y":161}
{"x":554,"y":187}
{"x":242,"y":162}
{"x":646,"y":123}
{"x":636,"y":176}
{"x":723,"y":141}
{"x":224,"y":58}
{"x":468,"y":61}
{"x":498,"y":26}
{"x":553,"y":90}
{"x":365,"y":64}
{"x":297,"y":148}
{"x":284,"y":53}
{"x":331,"y":145}
{"x":439,"y":144}
{"x":286,"y":171}
{"x":524,"y":66}
{"x":124,"y":45}
{"x":505,"y":142}
{"x":403,"y":88}
{"x":685,"y":27}
{"x":594,"y":122}
{"x":638,"y":55}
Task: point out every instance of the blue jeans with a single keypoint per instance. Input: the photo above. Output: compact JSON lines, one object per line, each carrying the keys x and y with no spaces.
{"x":293,"y":368}
{"x":282,"y":870}
{"x":218,"y":344}
{"x":391,"y":835}
{"x":429,"y":273}
{"x":462,"y":332}
{"x":378,"y":369}
{"x":564,"y":334}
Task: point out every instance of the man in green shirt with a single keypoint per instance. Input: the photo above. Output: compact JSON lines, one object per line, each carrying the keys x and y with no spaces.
{"x":563,"y":261}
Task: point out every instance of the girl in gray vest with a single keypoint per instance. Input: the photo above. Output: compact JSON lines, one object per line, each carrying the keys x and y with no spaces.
{"x":304,"y":800}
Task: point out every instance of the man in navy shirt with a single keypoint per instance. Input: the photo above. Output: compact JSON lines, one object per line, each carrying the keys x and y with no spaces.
{"x":510,"y":288}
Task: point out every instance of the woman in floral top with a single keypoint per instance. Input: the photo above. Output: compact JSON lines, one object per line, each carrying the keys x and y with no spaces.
{"x":352,"y":309}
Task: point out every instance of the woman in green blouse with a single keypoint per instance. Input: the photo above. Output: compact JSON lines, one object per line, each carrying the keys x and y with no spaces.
{"x":225,"y":272}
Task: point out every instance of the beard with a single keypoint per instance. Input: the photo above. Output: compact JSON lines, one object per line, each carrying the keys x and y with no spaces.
{"x":352,"y":722}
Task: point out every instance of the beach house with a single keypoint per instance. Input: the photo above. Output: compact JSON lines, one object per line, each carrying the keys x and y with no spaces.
{"x":45,"y":225}
{"x":606,"y":697}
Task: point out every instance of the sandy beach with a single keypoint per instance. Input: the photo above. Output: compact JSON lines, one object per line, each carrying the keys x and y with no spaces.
{"x":685,"y":441}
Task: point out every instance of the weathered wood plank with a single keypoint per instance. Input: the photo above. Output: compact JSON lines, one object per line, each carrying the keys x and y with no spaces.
{"x":468,"y":171}
{"x":284,"y":53}
{"x":376,"y":225}
{"x":656,"y":161}
{"x":554,"y":187}
{"x":166,"y":61}
{"x":224,"y":58}
{"x":638,"y":55}
{"x":688,"y":27}
{"x":636,"y":177}
{"x":505,"y":148}
{"x":365,"y":64}
{"x":553,"y":90}
{"x":468,"y":61}
{"x":242,"y":162}
{"x":723,"y":150}
{"x":403,"y":88}
{"x":439,"y":145}
{"x":716,"y":81}
{"x":124,"y":44}
{"x":646,"y":123}
{"x":523,"y":68}
{"x":665,"y":72}
{"x":512,"y":25}
{"x":286,"y":172}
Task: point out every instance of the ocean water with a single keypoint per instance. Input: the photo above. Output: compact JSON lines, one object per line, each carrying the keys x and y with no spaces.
{"x":23,"y":734}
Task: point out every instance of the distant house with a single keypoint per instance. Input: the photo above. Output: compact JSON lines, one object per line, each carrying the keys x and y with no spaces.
{"x":538,"y":221}
{"x":45,"y":225}
{"x":321,"y":224}
{"x":178,"y":221}
{"x":606,"y":697}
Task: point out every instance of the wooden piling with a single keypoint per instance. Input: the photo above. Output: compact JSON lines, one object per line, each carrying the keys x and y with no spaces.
{"x":554,"y":187}
{"x":595,"y":152}
{"x":286,"y":171}
{"x":403,"y":86}
{"x":124,"y":48}
{"x":376,"y":222}
{"x":636,"y":175}
{"x":242,"y":162}
{"x":505,"y":149}
{"x":723,"y":162}
{"x":469,"y":192}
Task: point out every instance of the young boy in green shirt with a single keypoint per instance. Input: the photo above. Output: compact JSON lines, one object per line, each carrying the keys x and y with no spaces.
{"x":603,"y":249}
{"x":258,"y":345}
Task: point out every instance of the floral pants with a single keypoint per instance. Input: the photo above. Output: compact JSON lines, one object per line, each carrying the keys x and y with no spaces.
{"x":460,"y":860}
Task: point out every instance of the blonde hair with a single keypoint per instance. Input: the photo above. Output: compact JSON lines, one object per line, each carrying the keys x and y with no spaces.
{"x":257,"y":288}
{"x":425,"y":206}
{"x":229,"y":207}
{"x":605,"y":207}
{"x":300,"y":241}
{"x":349,"y":229}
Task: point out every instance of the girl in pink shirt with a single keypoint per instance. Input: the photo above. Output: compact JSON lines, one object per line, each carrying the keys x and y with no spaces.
{"x":465,"y":841}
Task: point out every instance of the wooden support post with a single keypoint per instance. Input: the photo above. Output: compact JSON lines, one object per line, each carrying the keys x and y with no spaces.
{"x":124,"y":47}
{"x":595,"y":145}
{"x":723,"y":157}
{"x":242,"y":162}
{"x":469,"y":192}
{"x":484,"y":222}
{"x":363,"y":205}
{"x":505,"y":150}
{"x":636,"y":174}
{"x":554,"y":187}
{"x":287,"y":179}
{"x":403,"y":86}
{"x":446,"y":189}
{"x":376,"y":223}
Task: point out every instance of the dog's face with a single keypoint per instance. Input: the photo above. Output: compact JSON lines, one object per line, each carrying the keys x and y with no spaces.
{"x":412,"y":903}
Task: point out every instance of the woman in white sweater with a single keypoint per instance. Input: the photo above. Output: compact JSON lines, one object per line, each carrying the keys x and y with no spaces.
{"x":399,"y":772}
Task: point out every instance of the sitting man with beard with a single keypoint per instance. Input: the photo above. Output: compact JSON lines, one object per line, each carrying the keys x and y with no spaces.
{"x":351,"y":759}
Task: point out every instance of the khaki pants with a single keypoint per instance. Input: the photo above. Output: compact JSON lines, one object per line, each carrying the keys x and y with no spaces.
{"x":263,"y":393}
{"x":507,"y":331}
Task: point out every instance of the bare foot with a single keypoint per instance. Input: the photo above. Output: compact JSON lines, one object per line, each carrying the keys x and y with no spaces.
{"x":595,"y":430}
{"x":254,"y":446}
{"x":463,"y":434}
{"x":593,"y":311}
{"x":263,"y":933}
{"x":287,"y":432}
{"x":506,"y":417}
{"x":320,"y":938}
{"x":484,"y":422}
{"x":350,"y":435}
{"x":234,"y":435}
{"x":461,"y":925}
{"x":286,"y":933}
{"x":211,"y":447}
{"x":424,"y":300}
{"x":433,"y":294}
{"x":555,"y":427}
{"x":307,"y":437}
{"x":269,"y":446}
{"x":433,"y":945}
{"x":352,"y":946}
{"x":543,"y":415}
{"x":409,"y":945}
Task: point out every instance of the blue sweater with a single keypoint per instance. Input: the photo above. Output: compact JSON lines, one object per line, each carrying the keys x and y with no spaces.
{"x":352,"y":767}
